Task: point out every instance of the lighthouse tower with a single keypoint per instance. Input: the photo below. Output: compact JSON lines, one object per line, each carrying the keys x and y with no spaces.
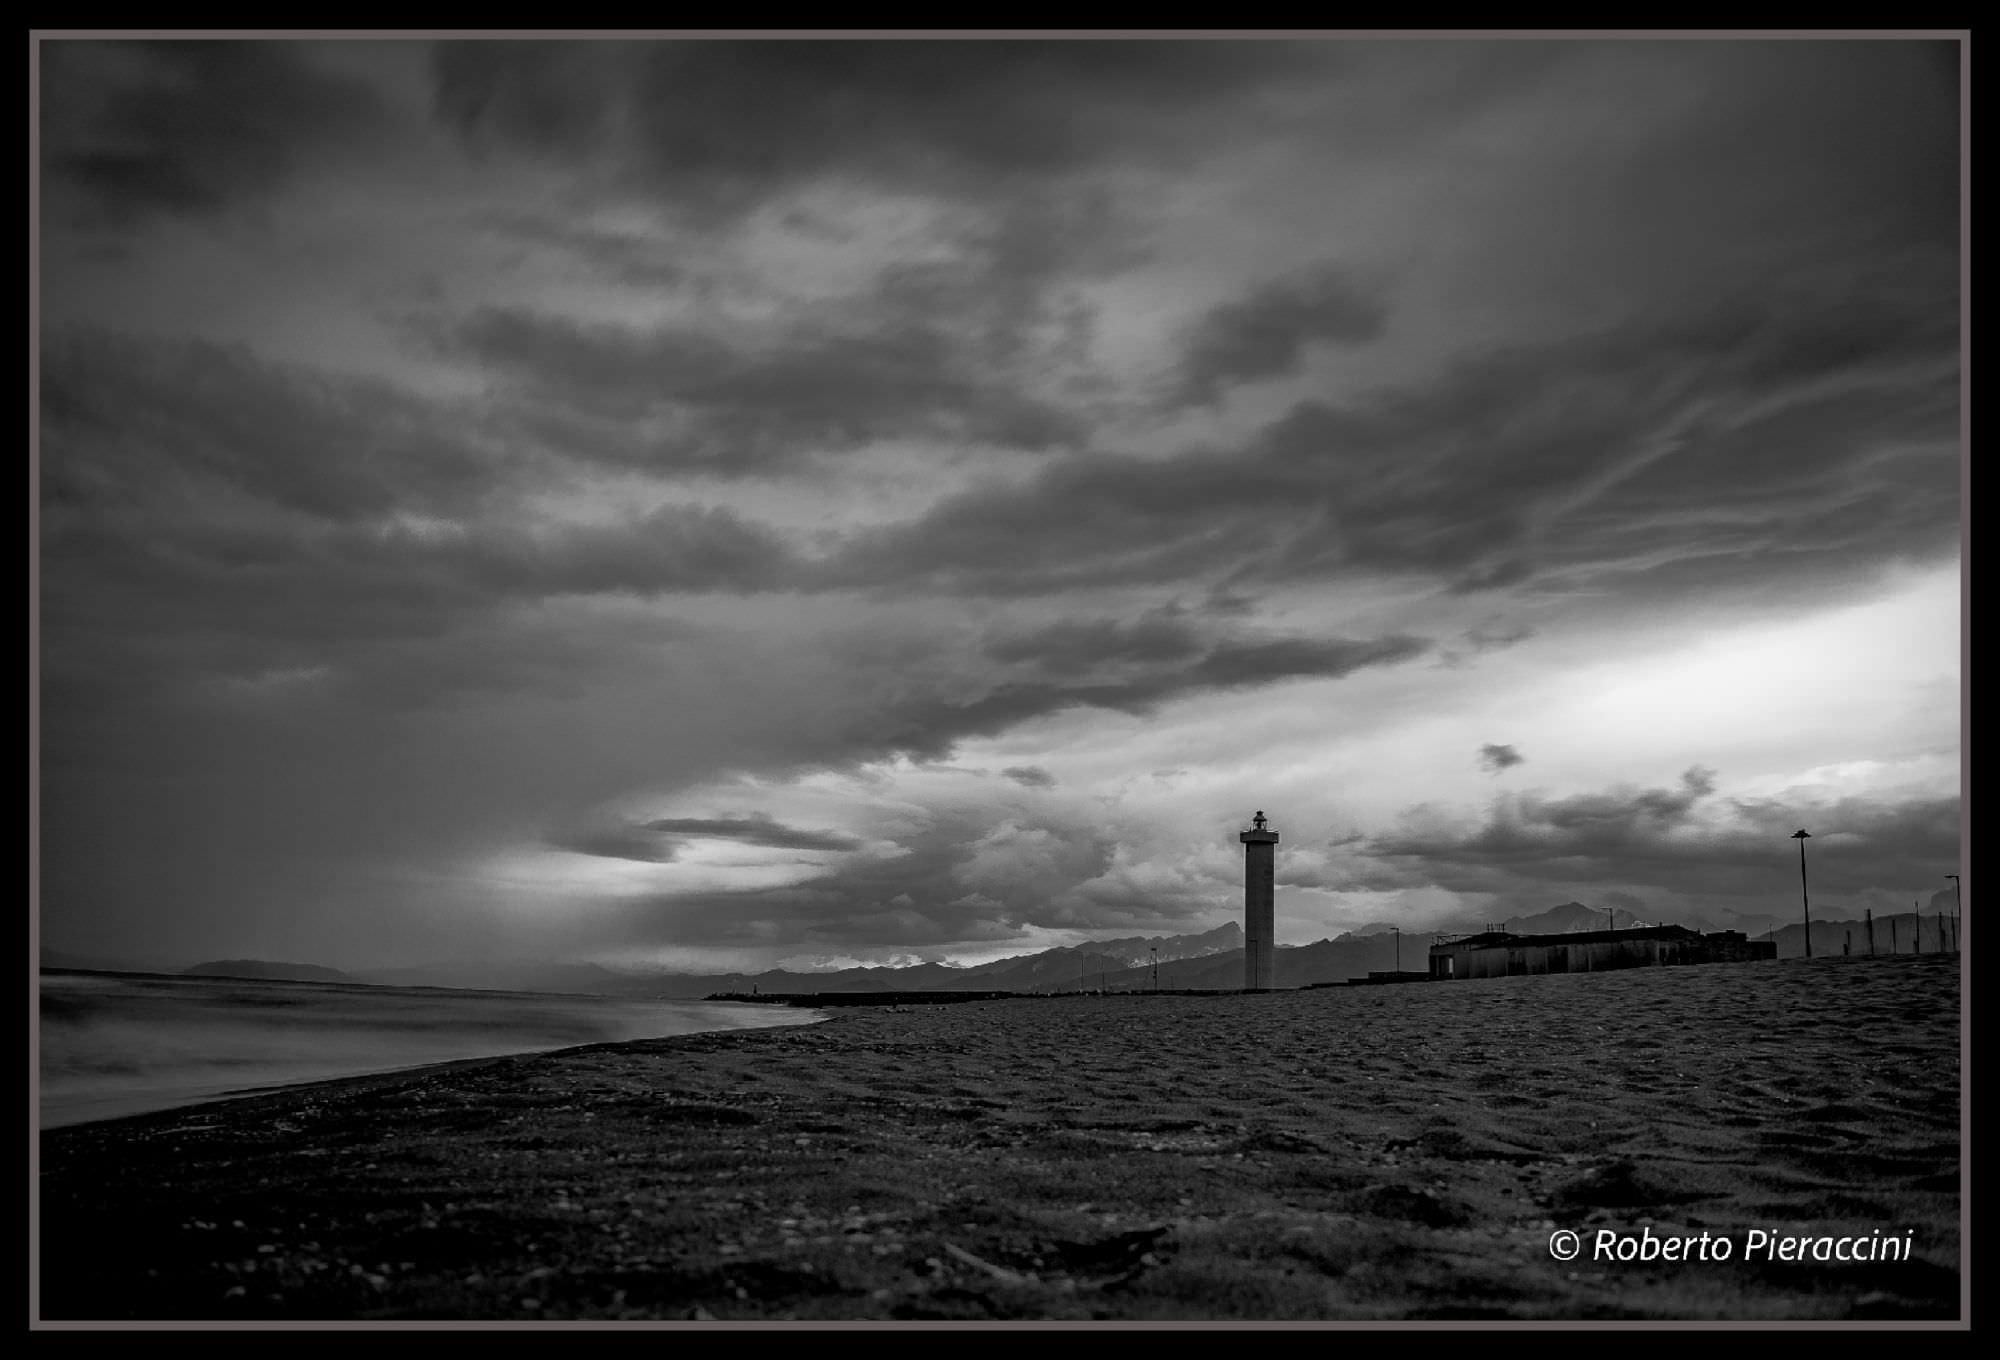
{"x":1259,"y":889}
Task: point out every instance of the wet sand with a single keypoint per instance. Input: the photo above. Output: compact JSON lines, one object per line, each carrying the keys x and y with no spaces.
{"x":1397,"y":1152}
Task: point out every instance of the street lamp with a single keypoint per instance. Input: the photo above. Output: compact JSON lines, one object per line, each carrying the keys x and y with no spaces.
{"x":1802,"y":836}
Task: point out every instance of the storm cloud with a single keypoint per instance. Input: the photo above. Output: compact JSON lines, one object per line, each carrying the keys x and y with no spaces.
{"x":690,"y":399}
{"x":1030,"y":775}
{"x":1265,"y":335}
{"x":722,"y":500}
{"x":1683,"y":840}
{"x":656,"y":841}
{"x":1618,"y":452}
{"x":963,"y":875}
{"x":726,"y":125}
{"x":171,"y":128}
{"x":751,"y":831}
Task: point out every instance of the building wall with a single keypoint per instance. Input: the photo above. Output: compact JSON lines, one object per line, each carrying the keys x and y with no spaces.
{"x":1593,"y":956}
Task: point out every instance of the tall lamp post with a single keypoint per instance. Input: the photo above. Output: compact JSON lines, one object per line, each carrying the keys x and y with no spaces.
{"x":1802,"y":836}
{"x":1957,"y":909}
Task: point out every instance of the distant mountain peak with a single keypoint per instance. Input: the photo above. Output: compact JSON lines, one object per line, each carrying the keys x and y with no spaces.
{"x":264,"y":970}
{"x":1059,"y":967}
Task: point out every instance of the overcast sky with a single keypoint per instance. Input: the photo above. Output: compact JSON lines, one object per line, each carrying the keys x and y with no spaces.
{"x":722,"y":503}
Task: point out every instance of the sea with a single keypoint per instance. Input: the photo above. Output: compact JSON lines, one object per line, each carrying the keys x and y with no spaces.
{"x":116,"y":1044}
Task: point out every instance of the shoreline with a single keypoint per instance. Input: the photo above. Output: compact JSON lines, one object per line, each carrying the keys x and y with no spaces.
{"x":352,"y":1080}
{"x":377,"y":1077}
{"x":1391,"y":1153}
{"x":69,"y":1099}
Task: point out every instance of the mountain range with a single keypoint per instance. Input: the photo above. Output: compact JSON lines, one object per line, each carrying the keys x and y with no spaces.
{"x":1052,"y":970}
{"x":263,"y":970}
{"x":1210,"y":960}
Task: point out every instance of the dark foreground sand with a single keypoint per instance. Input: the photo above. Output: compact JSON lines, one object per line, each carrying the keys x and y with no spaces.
{"x":1363,"y":1153}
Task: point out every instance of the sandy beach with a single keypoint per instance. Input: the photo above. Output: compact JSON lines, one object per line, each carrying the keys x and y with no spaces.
{"x":1394,"y":1152}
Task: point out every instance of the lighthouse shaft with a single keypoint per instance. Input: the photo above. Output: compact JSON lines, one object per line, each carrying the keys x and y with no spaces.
{"x":1259,"y":896}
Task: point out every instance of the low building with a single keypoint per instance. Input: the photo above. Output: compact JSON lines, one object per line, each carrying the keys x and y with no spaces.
{"x":1496,"y":953}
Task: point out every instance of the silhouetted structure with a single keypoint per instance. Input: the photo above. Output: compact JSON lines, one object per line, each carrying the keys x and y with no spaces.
{"x":1802,"y":836}
{"x":1260,"y":883}
{"x":1499,"y":954}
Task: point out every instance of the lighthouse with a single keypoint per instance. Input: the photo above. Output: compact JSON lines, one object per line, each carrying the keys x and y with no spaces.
{"x":1259,"y":889}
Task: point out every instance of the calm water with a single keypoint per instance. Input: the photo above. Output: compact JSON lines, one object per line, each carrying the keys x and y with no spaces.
{"x":119,"y":1044}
